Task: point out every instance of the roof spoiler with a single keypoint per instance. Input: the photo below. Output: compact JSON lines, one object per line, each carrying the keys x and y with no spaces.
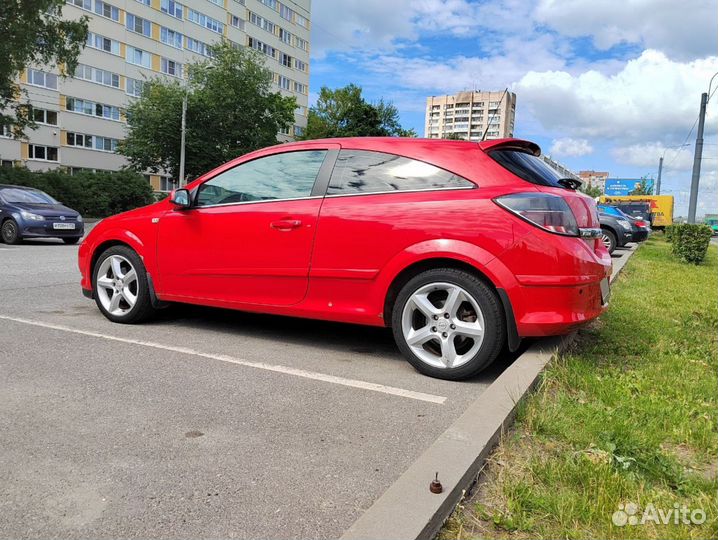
{"x":507,"y":144}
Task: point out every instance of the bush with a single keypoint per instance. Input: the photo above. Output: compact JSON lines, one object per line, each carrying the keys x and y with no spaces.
{"x":690,"y":241}
{"x":668,"y":231}
{"x":99,"y":194}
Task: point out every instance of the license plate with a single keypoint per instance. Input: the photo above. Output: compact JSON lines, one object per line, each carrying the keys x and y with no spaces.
{"x":605,"y":291}
{"x":65,"y":226}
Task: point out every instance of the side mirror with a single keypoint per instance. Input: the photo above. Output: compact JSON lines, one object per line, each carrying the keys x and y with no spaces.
{"x":180,"y":198}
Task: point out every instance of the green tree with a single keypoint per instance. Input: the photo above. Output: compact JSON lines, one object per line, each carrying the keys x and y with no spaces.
{"x":33,"y":32}
{"x":231,"y":110}
{"x":591,"y":190}
{"x":343,"y":112}
{"x":453,"y":137}
{"x":643,"y":188}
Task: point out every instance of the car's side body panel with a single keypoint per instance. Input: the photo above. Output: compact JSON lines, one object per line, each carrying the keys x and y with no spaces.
{"x":238,"y":253}
{"x":342,"y":265}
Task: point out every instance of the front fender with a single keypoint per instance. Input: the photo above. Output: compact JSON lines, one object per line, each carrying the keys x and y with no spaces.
{"x":89,"y":249}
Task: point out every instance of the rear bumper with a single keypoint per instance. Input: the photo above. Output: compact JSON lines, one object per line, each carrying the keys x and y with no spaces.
{"x":553,"y":282}
{"x":639,"y":236}
{"x":559,"y":310}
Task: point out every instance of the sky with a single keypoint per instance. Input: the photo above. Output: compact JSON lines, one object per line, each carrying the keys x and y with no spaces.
{"x":608,"y":85}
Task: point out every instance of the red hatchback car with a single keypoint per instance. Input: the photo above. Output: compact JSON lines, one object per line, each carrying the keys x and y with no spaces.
{"x":460,"y":247}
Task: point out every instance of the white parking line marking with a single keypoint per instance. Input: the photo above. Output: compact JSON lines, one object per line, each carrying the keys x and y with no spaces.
{"x":374,"y":387}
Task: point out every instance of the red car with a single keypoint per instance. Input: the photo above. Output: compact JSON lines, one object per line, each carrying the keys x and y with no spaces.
{"x":460,"y":247}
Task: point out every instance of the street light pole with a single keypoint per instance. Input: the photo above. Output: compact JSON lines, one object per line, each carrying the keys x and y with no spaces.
{"x":695,"y":180}
{"x":660,"y":170}
{"x":181,"y":179}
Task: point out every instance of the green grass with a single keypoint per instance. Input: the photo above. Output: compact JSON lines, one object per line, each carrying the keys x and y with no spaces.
{"x":628,"y":415}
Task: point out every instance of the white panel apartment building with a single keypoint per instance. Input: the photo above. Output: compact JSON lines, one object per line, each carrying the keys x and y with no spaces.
{"x":81,"y":118}
{"x":471,"y":114}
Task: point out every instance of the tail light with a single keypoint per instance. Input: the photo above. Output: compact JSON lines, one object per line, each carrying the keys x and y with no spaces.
{"x":548,"y":212}
{"x":641,"y":223}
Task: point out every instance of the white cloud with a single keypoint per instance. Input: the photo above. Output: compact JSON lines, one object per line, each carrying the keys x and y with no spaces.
{"x":650,"y":97}
{"x":568,"y":147}
{"x":365,"y":25}
{"x":380,"y":25}
{"x":684,"y":30}
{"x":648,"y":154}
{"x":490,"y":72}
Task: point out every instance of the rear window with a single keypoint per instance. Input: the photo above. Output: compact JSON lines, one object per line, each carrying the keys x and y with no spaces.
{"x":527,"y":166}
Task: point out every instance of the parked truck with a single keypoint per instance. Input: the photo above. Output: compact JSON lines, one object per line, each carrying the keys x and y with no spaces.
{"x":661,"y":207}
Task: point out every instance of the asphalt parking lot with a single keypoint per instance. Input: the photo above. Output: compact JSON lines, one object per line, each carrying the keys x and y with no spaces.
{"x":203,"y":423}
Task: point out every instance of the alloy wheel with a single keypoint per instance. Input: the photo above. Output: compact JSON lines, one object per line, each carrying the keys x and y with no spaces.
{"x":117,"y":285}
{"x":606,"y":241}
{"x":9,"y":231}
{"x":443,"y":325}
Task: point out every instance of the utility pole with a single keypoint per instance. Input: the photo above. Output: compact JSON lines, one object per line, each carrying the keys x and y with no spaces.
{"x":660,"y":170}
{"x":695,"y":180}
{"x":181,"y":179}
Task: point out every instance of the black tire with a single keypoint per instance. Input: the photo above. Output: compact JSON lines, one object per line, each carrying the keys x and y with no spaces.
{"x":10,"y":232}
{"x":71,"y":241}
{"x":142,"y":310}
{"x":491,"y":309}
{"x":609,"y":240}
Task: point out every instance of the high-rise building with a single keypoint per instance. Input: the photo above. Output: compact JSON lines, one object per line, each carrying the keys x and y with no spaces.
{"x":594,"y":178}
{"x":81,"y":118}
{"x":470,"y":115}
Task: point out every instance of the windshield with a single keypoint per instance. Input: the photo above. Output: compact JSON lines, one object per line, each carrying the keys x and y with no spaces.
{"x":16,"y":195}
{"x":527,"y":166}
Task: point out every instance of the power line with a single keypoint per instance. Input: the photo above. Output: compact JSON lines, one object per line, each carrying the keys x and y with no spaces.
{"x":684,"y":141}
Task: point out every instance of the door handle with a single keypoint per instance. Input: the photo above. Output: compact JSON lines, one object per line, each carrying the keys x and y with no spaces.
{"x":285,"y":224}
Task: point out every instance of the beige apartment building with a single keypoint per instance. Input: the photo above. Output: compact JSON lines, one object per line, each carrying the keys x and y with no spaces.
{"x":594,"y":178}
{"x":470,"y":114}
{"x":81,"y":118}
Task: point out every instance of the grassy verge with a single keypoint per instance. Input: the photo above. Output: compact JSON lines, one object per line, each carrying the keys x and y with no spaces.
{"x":628,"y":417}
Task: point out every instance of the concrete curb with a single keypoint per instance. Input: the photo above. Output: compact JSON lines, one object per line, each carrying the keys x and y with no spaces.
{"x":407,"y":509}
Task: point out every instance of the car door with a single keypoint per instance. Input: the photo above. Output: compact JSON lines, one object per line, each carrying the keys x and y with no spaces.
{"x":248,"y":237}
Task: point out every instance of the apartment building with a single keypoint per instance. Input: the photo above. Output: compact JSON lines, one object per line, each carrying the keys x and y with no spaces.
{"x":471,"y":114}
{"x":594,"y":178}
{"x":564,"y":171}
{"x":81,"y":118}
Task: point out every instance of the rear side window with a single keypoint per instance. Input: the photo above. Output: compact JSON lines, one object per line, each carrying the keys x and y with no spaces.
{"x":527,"y":166}
{"x":361,"y":171}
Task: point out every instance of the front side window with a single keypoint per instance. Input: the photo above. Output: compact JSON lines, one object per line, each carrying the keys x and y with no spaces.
{"x":360,"y":171}
{"x":281,"y":176}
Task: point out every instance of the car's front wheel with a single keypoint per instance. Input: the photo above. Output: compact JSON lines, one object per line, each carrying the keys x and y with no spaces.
{"x":10,"y":232}
{"x":120,"y":286}
{"x":448,"y":323}
{"x":609,"y":240}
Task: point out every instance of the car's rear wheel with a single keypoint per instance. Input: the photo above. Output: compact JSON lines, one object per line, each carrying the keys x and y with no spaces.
{"x":448,"y":323}
{"x":609,"y":240}
{"x":121,"y":289}
{"x":71,"y":241}
{"x":10,"y":232}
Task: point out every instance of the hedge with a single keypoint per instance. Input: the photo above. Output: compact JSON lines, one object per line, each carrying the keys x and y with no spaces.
{"x":93,"y":194}
{"x":689,"y":241}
